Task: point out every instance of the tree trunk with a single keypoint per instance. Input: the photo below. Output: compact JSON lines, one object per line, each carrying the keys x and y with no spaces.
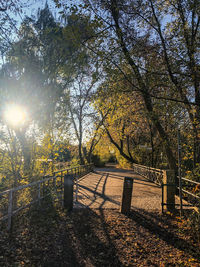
{"x":25,"y":151}
{"x":144,"y":90}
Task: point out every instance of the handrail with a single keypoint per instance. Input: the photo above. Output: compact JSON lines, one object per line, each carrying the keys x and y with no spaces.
{"x":156,"y":176}
{"x":27,"y":185}
{"x":43,"y":180}
{"x":191,"y":181}
{"x":191,"y":194}
{"x":152,"y":174}
{"x":148,"y":167}
{"x":82,"y":170}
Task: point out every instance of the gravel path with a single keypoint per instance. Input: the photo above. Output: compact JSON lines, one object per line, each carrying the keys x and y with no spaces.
{"x":103,"y":189}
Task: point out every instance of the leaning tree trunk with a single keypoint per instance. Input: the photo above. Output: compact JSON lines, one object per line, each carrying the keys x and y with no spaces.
{"x":143,"y":88}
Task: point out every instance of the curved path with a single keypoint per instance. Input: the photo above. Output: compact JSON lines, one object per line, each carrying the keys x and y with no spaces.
{"x":102,"y":189}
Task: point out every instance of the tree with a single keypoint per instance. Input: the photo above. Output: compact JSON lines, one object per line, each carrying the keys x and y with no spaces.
{"x":82,"y":84}
{"x":30,"y":77}
{"x":131,"y":30}
{"x":177,"y":36}
{"x":126,"y":122}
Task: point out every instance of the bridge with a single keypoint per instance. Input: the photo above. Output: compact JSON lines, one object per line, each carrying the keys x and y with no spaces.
{"x":151,"y":189}
{"x":95,"y":233}
{"x":102,"y":189}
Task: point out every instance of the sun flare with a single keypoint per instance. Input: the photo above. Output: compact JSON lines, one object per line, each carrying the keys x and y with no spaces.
{"x":15,"y":115}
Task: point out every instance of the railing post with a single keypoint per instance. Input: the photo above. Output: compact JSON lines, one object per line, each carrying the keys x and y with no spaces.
{"x":127,"y":195}
{"x":169,"y":189}
{"x":10,"y":209}
{"x":68,"y":192}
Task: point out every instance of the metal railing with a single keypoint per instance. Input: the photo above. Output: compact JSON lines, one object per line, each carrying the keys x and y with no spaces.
{"x":188,"y":190}
{"x":152,"y":174}
{"x":15,"y":199}
{"x":157,"y":175}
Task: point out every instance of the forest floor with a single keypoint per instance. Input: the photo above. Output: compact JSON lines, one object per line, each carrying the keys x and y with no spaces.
{"x":94,"y":237}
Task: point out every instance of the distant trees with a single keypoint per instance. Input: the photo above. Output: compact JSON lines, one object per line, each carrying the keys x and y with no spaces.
{"x":81,"y":86}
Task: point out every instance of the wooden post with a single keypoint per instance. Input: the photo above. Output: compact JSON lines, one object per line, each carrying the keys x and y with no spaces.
{"x":127,"y":195}
{"x":169,"y":189}
{"x":68,"y":192}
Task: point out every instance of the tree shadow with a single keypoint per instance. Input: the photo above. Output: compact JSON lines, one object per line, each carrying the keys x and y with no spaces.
{"x":50,"y":236}
{"x":95,"y":243}
{"x":162,"y":227}
{"x":113,"y":170}
{"x":53,"y":237}
{"x":136,"y":177}
{"x":36,"y":240}
{"x":93,"y":194}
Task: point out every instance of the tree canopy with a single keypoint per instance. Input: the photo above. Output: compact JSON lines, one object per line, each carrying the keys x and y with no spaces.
{"x":124,"y":71}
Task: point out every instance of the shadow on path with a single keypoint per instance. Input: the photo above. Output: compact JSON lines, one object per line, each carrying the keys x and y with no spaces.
{"x":86,"y":237}
{"x":93,"y":197}
{"x":161,"y":228}
{"x":135,"y":176}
